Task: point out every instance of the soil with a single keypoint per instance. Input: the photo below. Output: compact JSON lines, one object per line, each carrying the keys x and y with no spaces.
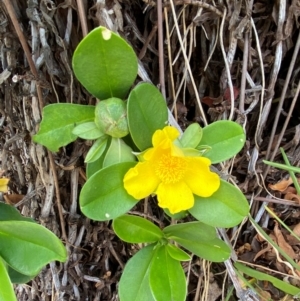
{"x":237,"y":60}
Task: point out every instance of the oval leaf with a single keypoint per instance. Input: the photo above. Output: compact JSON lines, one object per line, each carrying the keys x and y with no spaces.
{"x":88,"y":131}
{"x":200,"y":239}
{"x":105,"y":64}
{"x":20,"y":240}
{"x":177,"y":253}
{"x":214,"y":250}
{"x":225,"y":208}
{"x":97,"y":149}
{"x":103,"y":196}
{"x":136,"y":229}
{"x":17,"y":277}
{"x":10,"y":213}
{"x":118,"y":152}
{"x":134,"y":283}
{"x":192,"y":230}
{"x":191,"y":136}
{"x":167,"y":279}
{"x":6,"y":290}
{"x":226,"y":139}
{"x":147,"y":112}
{"x":95,"y":166}
{"x":58,"y":122}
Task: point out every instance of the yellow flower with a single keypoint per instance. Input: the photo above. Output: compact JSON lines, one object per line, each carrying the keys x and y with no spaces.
{"x":3,"y":184}
{"x":165,"y":171}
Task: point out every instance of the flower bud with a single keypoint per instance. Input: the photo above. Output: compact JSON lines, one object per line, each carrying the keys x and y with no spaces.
{"x":111,"y":117}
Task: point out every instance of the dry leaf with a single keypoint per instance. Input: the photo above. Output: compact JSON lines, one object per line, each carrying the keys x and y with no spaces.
{"x":236,"y":93}
{"x":282,"y":242}
{"x":296,"y":229}
{"x":282,"y":185}
{"x":210,"y":101}
{"x":13,"y":199}
{"x":292,"y":197}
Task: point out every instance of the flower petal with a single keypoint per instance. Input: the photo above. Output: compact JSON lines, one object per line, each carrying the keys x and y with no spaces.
{"x":176,"y":197}
{"x":3,"y":184}
{"x":140,"y":181}
{"x":167,"y":133}
{"x":199,"y":178}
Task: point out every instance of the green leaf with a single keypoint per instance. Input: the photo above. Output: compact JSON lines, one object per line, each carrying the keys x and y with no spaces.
{"x":283,"y":166}
{"x":134,"y":283}
{"x":21,"y":241}
{"x":192,"y":230}
{"x":167,"y":279}
{"x":88,"y":131}
{"x":95,"y":166}
{"x":103,"y":197}
{"x":105,"y":64}
{"x":17,"y":277}
{"x":226,"y":139}
{"x":177,"y":216}
{"x":177,"y":253}
{"x":118,"y":152}
{"x":10,"y":213}
{"x":226,"y":208}
{"x":6,"y":290}
{"x":282,"y":285}
{"x":191,"y":136}
{"x":97,"y":149}
{"x":136,"y":229}
{"x":58,"y":122}
{"x":147,"y":112}
{"x":199,"y":239}
{"x":214,"y":250}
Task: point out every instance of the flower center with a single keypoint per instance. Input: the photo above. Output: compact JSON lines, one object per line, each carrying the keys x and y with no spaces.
{"x":170,"y":169}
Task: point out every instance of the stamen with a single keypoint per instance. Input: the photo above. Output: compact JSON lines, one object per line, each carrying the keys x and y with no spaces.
{"x":170,"y":169}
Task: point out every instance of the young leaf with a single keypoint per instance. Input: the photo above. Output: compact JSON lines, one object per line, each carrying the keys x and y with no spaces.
{"x":226,"y":139}
{"x":22,"y":240}
{"x":97,"y":149}
{"x":58,"y":122}
{"x":88,"y":131}
{"x":95,"y":166}
{"x":136,"y":229}
{"x":105,"y":64}
{"x":6,"y":290}
{"x":134,"y":283}
{"x":225,"y":208}
{"x":282,"y":285}
{"x":118,"y":152}
{"x":167,"y":279}
{"x":103,"y":196}
{"x":191,"y":136}
{"x":147,"y":112}
{"x":177,"y":253}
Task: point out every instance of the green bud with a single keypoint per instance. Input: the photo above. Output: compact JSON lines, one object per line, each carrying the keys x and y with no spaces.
{"x":111,"y":117}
